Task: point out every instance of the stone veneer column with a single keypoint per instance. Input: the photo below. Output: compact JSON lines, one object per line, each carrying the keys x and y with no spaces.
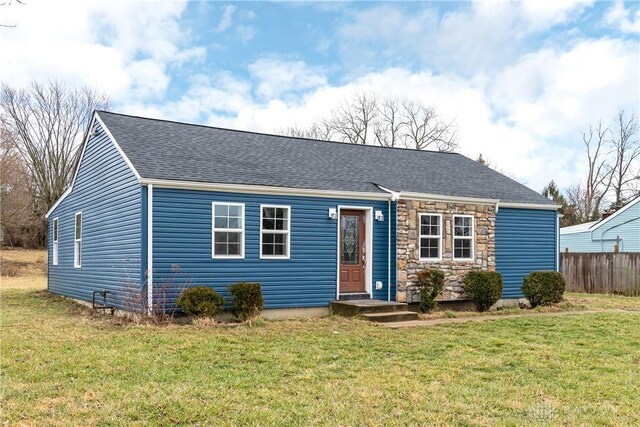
{"x":409,"y":262}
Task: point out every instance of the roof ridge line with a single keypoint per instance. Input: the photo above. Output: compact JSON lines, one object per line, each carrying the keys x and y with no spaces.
{"x":278,"y":136}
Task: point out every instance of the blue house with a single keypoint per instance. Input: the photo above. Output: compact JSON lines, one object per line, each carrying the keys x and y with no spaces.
{"x":622,"y":228}
{"x":156,"y":206}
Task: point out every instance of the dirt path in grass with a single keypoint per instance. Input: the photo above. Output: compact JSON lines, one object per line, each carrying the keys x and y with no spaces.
{"x":446,"y":321}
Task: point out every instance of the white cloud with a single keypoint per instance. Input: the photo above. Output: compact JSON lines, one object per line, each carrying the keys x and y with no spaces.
{"x":227,"y":16}
{"x":524,"y":114}
{"x":275,"y":77}
{"x":488,"y":34}
{"x":526,"y":118}
{"x":555,"y":93}
{"x":618,"y":17}
{"x":122,"y":48}
{"x":246,"y":33}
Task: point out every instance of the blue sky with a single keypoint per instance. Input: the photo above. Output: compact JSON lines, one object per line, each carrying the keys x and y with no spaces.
{"x":521,"y":79}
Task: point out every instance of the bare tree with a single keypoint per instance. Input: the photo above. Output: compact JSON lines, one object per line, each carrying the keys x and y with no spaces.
{"x":46,"y":124}
{"x":9,"y":3}
{"x":352,"y":121}
{"x":626,"y":151}
{"x":19,"y":225}
{"x":424,"y":129}
{"x":315,"y":131}
{"x":387,"y":127}
{"x":587,"y":197}
{"x":368,"y":118}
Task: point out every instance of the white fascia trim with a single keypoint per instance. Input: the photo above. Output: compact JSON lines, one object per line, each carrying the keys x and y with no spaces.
{"x":263,"y":189}
{"x":55,"y":205}
{"x":88,"y":135}
{"x":615,"y":214}
{"x":441,"y":198}
{"x":529,"y":206}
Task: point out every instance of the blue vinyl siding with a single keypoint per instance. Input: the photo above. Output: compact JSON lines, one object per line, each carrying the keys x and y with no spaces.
{"x":182,"y":248}
{"x":525,"y":242}
{"x":602,"y":238}
{"x":108,"y":194}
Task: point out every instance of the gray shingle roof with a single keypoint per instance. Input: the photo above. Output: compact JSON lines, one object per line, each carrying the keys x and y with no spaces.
{"x":177,"y":151}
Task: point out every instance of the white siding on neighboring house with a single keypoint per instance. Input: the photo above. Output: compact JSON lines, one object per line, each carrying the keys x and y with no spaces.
{"x":602,"y":236}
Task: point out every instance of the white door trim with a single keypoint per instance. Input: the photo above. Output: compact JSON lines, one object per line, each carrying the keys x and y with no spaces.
{"x":368,"y":270}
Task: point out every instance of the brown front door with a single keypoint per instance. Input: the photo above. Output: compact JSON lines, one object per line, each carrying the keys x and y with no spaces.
{"x":352,"y":251}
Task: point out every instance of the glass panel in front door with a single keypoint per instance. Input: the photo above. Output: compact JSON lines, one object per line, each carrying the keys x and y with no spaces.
{"x":350,"y":246}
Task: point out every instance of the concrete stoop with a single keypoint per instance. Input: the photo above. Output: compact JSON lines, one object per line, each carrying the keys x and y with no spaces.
{"x":374,"y":310}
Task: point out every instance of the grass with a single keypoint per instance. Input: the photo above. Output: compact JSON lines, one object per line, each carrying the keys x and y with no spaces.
{"x":61,"y":364}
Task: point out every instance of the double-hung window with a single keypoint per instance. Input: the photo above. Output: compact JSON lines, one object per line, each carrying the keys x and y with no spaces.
{"x":228,"y":230}
{"x":55,"y":241}
{"x":275,"y":223}
{"x":430,"y":240}
{"x":77,"y":243}
{"x":463,"y":237}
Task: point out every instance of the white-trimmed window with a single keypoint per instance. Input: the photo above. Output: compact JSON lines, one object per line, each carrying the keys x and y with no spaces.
{"x":55,"y":241}
{"x":228,"y":230}
{"x":462,"y":237}
{"x":430,"y":239}
{"x":77,"y":243}
{"x":275,"y":223}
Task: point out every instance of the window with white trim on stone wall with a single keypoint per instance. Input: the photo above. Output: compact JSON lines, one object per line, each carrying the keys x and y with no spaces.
{"x":430,"y":237}
{"x":462,"y":237}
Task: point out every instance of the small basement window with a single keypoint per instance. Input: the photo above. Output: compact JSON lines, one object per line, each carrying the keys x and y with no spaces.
{"x":55,"y":241}
{"x":77,"y":245}
{"x":274,"y":231}
{"x":228,"y":230}
{"x":463,"y":237}
{"x":430,"y":240}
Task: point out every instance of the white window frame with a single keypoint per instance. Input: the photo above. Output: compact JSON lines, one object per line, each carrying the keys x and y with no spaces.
{"x":454,"y":238}
{"x":227,"y":230}
{"x":420,"y":236}
{"x":77,"y":243}
{"x":56,"y":237}
{"x":287,"y":232}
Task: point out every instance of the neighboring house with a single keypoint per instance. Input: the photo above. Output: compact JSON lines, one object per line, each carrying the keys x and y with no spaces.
{"x":158,"y":204}
{"x":621,"y":228}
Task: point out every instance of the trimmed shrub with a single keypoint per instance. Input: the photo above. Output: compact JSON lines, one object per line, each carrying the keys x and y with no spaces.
{"x":543,"y":287}
{"x":200,"y":301}
{"x":247,"y":300}
{"x":431,"y":282}
{"x":484,"y":288}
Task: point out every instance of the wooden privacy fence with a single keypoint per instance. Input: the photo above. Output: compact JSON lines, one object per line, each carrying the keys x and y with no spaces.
{"x":606,"y":273}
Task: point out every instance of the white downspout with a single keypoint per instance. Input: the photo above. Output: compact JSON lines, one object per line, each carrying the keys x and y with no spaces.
{"x":150,"y":249}
{"x":389,"y":250}
{"x":395,"y":195}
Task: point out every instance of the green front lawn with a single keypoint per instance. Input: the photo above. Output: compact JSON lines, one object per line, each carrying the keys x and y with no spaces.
{"x":63,"y":365}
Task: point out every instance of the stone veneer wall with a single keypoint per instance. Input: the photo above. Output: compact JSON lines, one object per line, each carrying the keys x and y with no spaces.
{"x":408,"y":257}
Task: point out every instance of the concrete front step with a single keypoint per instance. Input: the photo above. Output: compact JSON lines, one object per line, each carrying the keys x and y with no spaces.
{"x":358,"y":307}
{"x":397,"y":316}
